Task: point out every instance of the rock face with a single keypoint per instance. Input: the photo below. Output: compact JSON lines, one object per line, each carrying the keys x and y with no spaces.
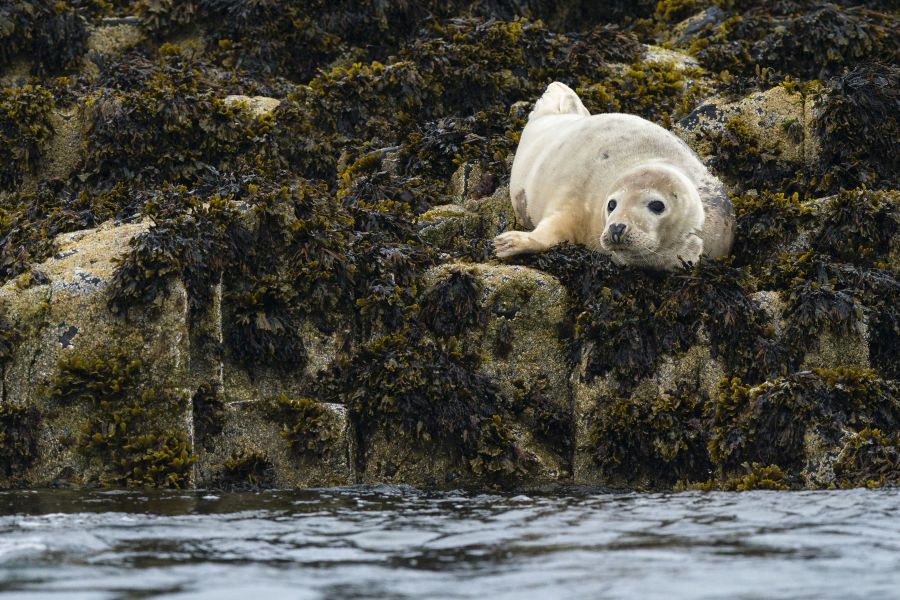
{"x":237,"y":435}
{"x":60,"y":311}
{"x":776,"y":118}
{"x":251,"y":248}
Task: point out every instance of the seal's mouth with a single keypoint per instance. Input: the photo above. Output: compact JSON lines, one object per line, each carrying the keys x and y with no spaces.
{"x":624,"y":243}
{"x":632,"y":249}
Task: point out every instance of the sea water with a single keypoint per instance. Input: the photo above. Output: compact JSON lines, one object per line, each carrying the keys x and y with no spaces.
{"x":398,"y":542}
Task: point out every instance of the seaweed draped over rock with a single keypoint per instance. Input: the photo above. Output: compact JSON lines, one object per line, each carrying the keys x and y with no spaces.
{"x":246,"y":470}
{"x":186,"y":240}
{"x":415,"y":387}
{"x":125,"y":432}
{"x":805,"y":39}
{"x":454,"y":68}
{"x":858,"y":123}
{"x":208,"y":412}
{"x":306,"y":425}
{"x":293,"y":39}
{"x":170,"y":104}
{"x":25,"y":130}
{"x":769,"y":423}
{"x":425,"y":392}
{"x":626,"y":320}
{"x":18,"y":440}
{"x":453,"y":305}
{"x":52,"y":35}
{"x":684,"y":437}
{"x":29,"y":222}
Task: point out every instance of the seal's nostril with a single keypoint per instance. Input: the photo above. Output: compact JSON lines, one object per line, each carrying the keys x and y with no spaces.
{"x":616,"y":230}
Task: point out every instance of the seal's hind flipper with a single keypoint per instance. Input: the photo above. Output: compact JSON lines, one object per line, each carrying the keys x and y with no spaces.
{"x":558,"y":99}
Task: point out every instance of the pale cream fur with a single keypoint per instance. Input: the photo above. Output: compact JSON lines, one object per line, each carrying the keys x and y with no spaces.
{"x":569,"y":165}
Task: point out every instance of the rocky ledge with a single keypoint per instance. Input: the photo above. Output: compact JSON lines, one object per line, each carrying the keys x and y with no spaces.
{"x":247,"y":247}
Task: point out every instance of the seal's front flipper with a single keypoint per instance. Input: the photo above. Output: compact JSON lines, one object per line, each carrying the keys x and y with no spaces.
{"x":550,"y":231}
{"x":558,"y":99}
{"x":515,"y":242}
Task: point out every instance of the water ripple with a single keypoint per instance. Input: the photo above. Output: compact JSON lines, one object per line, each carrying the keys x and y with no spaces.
{"x":399,"y":542}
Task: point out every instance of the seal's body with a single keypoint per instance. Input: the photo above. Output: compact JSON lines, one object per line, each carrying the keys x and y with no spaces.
{"x":616,"y":183}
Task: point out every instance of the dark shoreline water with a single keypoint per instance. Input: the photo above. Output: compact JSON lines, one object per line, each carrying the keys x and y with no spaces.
{"x":390,"y":542}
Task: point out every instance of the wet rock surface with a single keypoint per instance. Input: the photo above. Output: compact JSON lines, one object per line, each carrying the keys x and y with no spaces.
{"x":249,"y":247}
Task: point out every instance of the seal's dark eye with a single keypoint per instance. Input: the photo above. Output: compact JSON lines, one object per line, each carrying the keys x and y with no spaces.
{"x":611,"y":206}
{"x":656,"y":207}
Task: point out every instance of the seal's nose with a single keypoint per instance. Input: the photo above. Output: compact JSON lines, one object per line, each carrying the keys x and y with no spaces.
{"x":615,"y":231}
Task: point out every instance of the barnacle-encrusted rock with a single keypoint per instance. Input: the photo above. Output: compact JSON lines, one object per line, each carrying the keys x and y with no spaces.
{"x":679,"y":60}
{"x":63,"y":153}
{"x":113,"y":38}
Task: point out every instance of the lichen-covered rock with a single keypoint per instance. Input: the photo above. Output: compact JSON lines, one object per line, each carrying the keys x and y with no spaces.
{"x":775,"y":126}
{"x":259,"y":106}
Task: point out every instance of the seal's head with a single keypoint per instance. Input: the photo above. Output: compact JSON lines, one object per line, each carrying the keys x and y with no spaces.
{"x":651,"y":217}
